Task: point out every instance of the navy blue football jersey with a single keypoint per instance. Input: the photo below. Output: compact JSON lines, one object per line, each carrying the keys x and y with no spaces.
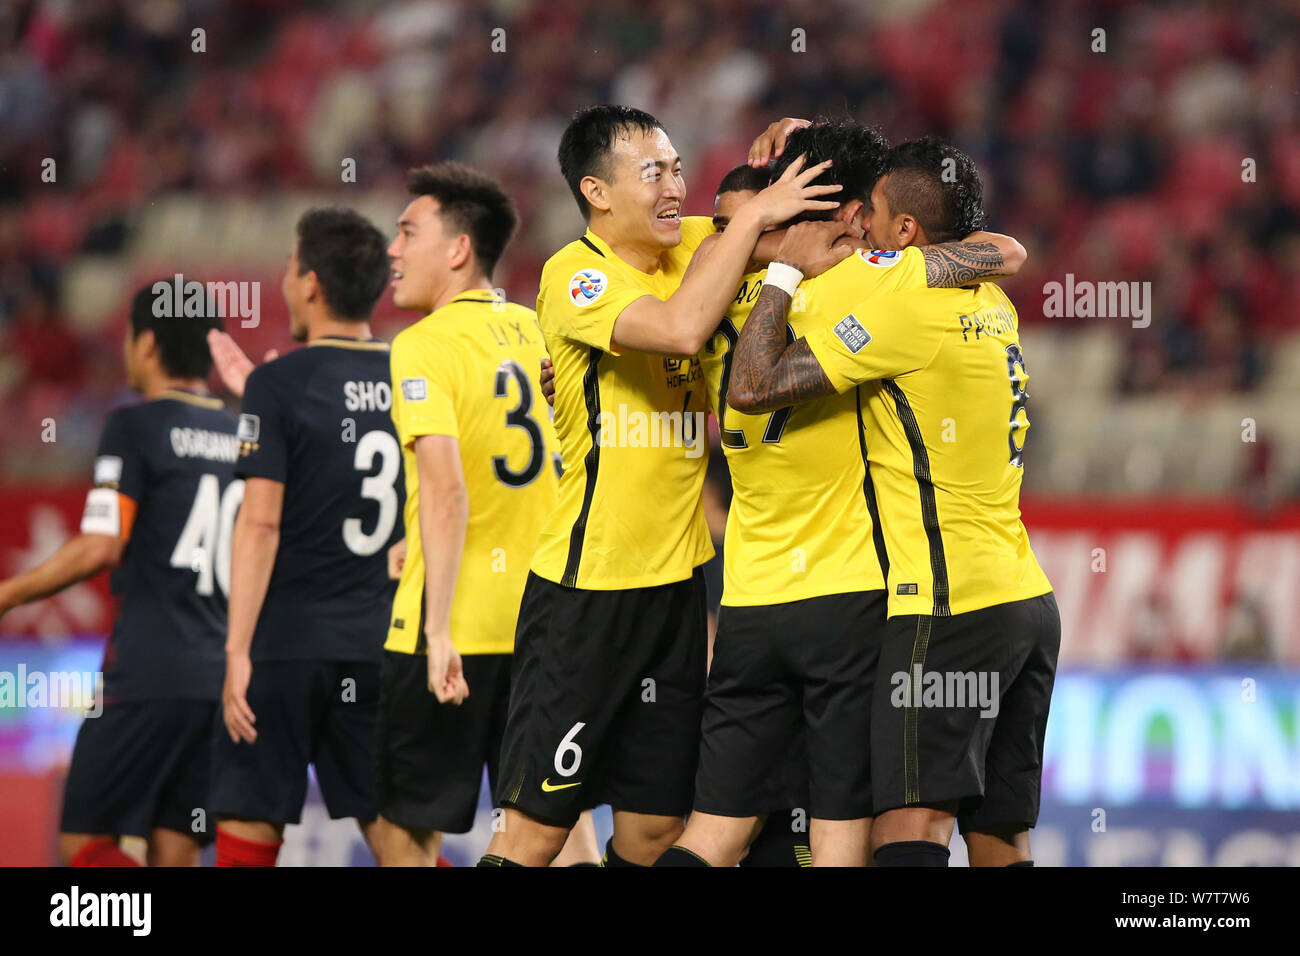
{"x":164,"y":480}
{"x":318,"y":420}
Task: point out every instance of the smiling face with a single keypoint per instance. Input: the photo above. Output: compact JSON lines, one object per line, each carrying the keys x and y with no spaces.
{"x":423,"y":256}
{"x":645,"y":191}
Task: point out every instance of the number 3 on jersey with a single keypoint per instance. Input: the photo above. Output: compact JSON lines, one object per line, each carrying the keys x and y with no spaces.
{"x":381,"y":488}
{"x":520,"y":417}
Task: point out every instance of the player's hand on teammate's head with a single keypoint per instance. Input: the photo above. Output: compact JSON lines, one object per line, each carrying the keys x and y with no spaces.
{"x":396,"y":560}
{"x":548,"y":381}
{"x":446,"y":671}
{"x":793,"y":194}
{"x":814,"y":247}
{"x":231,"y":363}
{"x":235,"y":712}
{"x":771,"y":142}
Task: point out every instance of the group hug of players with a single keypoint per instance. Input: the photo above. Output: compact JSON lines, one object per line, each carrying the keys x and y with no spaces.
{"x":549,"y":618}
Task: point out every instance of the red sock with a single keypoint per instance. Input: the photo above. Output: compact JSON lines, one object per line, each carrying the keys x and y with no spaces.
{"x":443,"y":861}
{"x":102,"y":852}
{"x":236,"y":851}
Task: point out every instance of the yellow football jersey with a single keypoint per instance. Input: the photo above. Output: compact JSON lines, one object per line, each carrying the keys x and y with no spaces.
{"x":945,"y":421}
{"x":470,"y":370}
{"x":631,"y":427}
{"x":801,"y":523}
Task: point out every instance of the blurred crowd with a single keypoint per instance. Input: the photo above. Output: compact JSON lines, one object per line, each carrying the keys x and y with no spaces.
{"x":1120,"y":141}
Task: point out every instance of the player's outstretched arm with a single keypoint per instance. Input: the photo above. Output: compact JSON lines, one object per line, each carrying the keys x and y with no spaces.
{"x":682,"y":323}
{"x":979,"y":257}
{"x":444,"y":516}
{"x":252,"y":558}
{"x":80,"y":558}
{"x":767,"y":373}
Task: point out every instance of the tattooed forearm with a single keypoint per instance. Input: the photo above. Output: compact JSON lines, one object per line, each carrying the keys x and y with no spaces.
{"x":950,"y":264}
{"x":766,"y":373}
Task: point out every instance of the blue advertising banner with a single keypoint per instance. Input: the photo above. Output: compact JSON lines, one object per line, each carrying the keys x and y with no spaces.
{"x":1143,"y":766}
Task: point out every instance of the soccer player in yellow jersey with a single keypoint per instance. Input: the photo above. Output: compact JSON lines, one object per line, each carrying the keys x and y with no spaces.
{"x":969,"y":653}
{"x":611,"y":641}
{"x":482,"y":465}
{"x":804,"y":599}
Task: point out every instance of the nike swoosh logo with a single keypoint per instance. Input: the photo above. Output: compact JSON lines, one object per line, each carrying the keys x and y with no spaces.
{"x":548,"y":787}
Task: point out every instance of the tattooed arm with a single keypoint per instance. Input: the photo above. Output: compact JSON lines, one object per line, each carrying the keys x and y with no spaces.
{"x":977,"y":258}
{"x":766,"y":373}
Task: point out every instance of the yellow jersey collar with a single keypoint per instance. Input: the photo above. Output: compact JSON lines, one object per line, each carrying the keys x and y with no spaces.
{"x":476,"y":295}
{"x":604,"y":250}
{"x":598,"y":245}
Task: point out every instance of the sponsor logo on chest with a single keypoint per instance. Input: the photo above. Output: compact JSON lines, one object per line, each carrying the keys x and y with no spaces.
{"x":682,"y":371}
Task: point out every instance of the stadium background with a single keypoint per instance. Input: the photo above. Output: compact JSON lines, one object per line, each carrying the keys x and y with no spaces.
{"x":1163,"y":467}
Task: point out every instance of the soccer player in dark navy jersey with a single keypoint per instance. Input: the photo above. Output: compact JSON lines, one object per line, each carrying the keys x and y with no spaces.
{"x":160,"y":515}
{"x":310,"y":591}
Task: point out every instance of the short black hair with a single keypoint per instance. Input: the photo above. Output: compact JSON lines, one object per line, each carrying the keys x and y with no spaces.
{"x":857,"y":153}
{"x":588,"y":141}
{"x":182,"y":339}
{"x":745,"y":178}
{"x":350,"y":259}
{"x":937,"y":184}
{"x":471,"y":202}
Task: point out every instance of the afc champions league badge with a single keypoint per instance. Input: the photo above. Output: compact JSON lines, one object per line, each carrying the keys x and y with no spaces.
{"x":586,"y":286}
{"x":880,"y":258}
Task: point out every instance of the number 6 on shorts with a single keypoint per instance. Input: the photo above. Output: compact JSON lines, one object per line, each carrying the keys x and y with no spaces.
{"x":567,"y":746}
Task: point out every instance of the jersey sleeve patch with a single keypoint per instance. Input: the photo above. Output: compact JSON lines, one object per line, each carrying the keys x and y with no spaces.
{"x":415,"y":389}
{"x":880,"y":258}
{"x":852,"y":334}
{"x":586,"y":286}
{"x":250,"y":428}
{"x":108,"y":471}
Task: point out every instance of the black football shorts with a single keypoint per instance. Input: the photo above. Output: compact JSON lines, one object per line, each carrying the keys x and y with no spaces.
{"x":787,"y":715}
{"x":430,"y":756}
{"x":139,"y":765}
{"x":308,"y":712}
{"x":961,"y":708}
{"x":605,"y":700}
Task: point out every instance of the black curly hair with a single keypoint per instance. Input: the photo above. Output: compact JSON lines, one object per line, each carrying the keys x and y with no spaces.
{"x":470,"y":202}
{"x":937,"y":184}
{"x":857,"y":152}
